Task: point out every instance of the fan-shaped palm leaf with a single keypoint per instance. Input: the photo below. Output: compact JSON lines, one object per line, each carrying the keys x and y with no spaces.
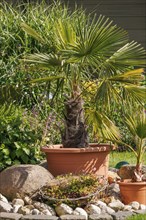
{"x":102,"y":125}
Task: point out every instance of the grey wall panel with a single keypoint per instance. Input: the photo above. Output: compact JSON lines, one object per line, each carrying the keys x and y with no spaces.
{"x":128,"y":14}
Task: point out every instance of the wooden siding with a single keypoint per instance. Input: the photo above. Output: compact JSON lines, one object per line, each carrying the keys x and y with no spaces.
{"x":128,"y":14}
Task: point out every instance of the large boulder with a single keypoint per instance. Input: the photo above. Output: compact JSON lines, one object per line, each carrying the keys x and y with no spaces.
{"x":126,"y":171}
{"x":22,"y":180}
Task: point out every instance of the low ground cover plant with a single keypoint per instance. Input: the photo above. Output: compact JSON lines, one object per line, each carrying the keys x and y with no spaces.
{"x":74,"y":190}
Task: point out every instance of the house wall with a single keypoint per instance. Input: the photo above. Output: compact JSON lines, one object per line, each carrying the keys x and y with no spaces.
{"x":128,"y":14}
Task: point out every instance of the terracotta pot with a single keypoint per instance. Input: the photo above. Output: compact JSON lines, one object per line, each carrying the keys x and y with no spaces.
{"x":94,"y":159}
{"x":133,"y":191}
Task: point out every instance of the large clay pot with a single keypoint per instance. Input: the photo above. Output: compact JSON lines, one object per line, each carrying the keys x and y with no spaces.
{"x":133,"y":191}
{"x":94,"y":159}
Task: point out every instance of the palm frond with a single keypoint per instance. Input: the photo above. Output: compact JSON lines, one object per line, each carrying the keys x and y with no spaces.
{"x":102,"y":126}
{"x":106,"y":92}
{"x":43,"y":60}
{"x":131,"y":54}
{"x":135,"y":93}
{"x":129,"y":77}
{"x":64,"y":34}
{"x":137,"y":124}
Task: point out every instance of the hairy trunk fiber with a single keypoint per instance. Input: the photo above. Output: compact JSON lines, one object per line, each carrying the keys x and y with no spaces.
{"x":75,"y":134}
{"x":137,"y":175}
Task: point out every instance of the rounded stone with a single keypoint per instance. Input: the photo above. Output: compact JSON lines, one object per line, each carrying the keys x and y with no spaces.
{"x":18,"y":202}
{"x":81,"y":211}
{"x":4,"y":199}
{"x":135,"y":205}
{"x":24,"y":210}
{"x":23,"y":180}
{"x":35,"y":212}
{"x":63,"y":209}
{"x":92,"y":209}
{"x":46,"y":212}
{"x":5,"y":207}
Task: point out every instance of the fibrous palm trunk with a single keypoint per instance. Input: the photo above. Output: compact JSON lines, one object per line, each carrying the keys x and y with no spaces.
{"x":75,"y":133}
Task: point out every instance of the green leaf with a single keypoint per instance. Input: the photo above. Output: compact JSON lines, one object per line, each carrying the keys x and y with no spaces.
{"x":16,"y":162}
{"x":25,"y":158}
{"x":6,"y":151}
{"x":8,"y":161}
{"x":19,"y":152}
{"x":26,"y":150}
{"x":17,"y":145}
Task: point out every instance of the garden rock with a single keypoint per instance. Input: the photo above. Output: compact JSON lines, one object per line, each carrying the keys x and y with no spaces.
{"x":16,"y":208}
{"x":100,"y":204}
{"x":35,"y":212}
{"x":117,"y":205}
{"x":110,"y":211}
{"x":100,"y":217}
{"x":25,"y":210}
{"x":139,"y":211}
{"x":113,"y":177}
{"x":39,"y":217}
{"x":5,"y":207}
{"x":127,"y":208}
{"x":63,"y":209}
{"x":18,"y":202}
{"x":10,"y":216}
{"x":81,"y":211}
{"x":3,"y":199}
{"x":143,"y":207}
{"x":121,"y":215}
{"x":27,"y":200}
{"x":47,"y":212}
{"x":92,"y":209}
{"x":126,"y":171}
{"x":18,"y":179}
{"x":114,"y":191}
{"x":72,"y":217}
{"x":42,"y":206}
{"x":135,"y":205}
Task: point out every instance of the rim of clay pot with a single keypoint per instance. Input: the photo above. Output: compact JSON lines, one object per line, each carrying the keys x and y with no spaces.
{"x":58,"y":148}
{"x":129,"y":182}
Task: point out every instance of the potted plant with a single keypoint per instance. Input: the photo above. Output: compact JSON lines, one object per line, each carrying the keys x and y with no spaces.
{"x":134,"y":189}
{"x":86,"y":51}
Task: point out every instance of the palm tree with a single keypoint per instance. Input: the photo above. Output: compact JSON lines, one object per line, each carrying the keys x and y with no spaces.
{"x":86,"y":52}
{"x":136,"y":123}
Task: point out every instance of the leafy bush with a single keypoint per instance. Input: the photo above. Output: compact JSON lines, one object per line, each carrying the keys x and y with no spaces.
{"x":20,"y":136}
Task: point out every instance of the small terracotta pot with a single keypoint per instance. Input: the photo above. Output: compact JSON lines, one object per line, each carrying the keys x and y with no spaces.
{"x":94,"y":159}
{"x":133,"y":191}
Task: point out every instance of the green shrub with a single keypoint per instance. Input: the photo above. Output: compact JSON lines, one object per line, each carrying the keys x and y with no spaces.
{"x":20,"y":136}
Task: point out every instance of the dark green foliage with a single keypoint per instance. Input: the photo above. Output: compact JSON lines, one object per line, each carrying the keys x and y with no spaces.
{"x":20,"y":135}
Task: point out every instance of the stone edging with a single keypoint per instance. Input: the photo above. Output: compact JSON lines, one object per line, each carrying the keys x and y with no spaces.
{"x":115,"y":216}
